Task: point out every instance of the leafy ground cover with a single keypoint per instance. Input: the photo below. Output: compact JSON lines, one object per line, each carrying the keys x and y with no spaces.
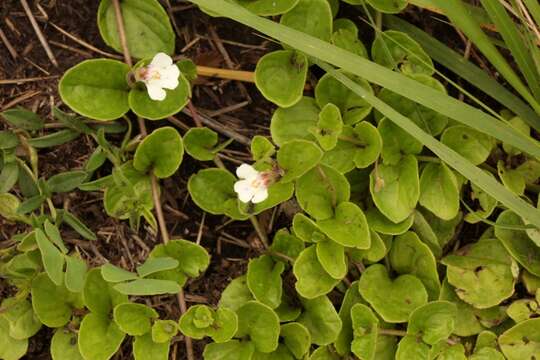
{"x":331,"y":202}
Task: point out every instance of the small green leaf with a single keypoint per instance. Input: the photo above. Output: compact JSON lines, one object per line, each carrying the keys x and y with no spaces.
{"x":393,"y":299}
{"x":8,"y":140}
{"x":236,"y":294}
{"x":264,"y":280}
{"x":64,"y":345}
{"x":369,"y":144}
{"x":23,"y":119}
{"x":161,"y":151}
{"x":321,"y":319}
{"x":134,"y":319}
{"x":434,"y":321}
{"x":146,"y":287}
{"x":142,"y":105}
{"x":297,"y":338}
{"x":99,"y":296}
{"x":157,"y":264}
{"x":352,"y":106}
{"x":348,"y":227}
{"x":396,"y":142}
{"x":10,"y":348}
{"x":345,"y":337}
{"x":331,"y":256}
{"x":439,"y":191}
{"x":261,"y":324}
{"x":53,"y":259}
{"x":54,"y":139}
{"x":320,"y":190}
{"x":9,"y":205}
{"x":388,"y":6}
{"x":75,"y":273}
{"x":77,"y":225}
{"x":297,"y":157}
{"x":281,"y":75}
{"x":293,"y":123}
{"x":99,"y":337}
{"x":231,"y":350}
{"x":114,"y":274}
{"x":521,"y":341}
{"x":365,"y":326}
{"x":201,"y":143}
{"x":23,"y":321}
{"x":312,"y":280}
{"x":348,"y":40}
{"x":395,"y":189}
{"x":147,"y":27}
{"x":66,"y":181}
{"x":313,"y":17}
{"x":262,"y":149}
{"x":409,"y":255}
{"x":398,"y":51}
{"x":471,"y":144}
{"x":164,"y":330}
{"x":286,"y":244}
{"x":328,"y":127}
{"x":8,"y":176}
{"x":380,"y":223}
{"x":53,"y":304}
{"x":410,"y":348}
{"x":144,"y":348}
{"x":96,"y":89}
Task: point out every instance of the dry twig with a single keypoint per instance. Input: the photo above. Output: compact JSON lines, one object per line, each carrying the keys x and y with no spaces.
{"x":39,"y":33}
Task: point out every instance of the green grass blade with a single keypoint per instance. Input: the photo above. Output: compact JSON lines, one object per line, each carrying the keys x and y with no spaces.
{"x":515,"y":41}
{"x":463,"y":20}
{"x":534,"y":9}
{"x":378,"y":74}
{"x":449,"y":156}
{"x":466,"y":70}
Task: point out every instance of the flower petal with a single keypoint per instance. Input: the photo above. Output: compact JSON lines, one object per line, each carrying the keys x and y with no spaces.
{"x":156,"y":92}
{"x":260,"y":195}
{"x":245,"y":171}
{"x":244,"y":190}
{"x":169,"y":81}
{"x":162,"y":60}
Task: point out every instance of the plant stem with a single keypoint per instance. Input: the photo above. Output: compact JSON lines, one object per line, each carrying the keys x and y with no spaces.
{"x":155,"y":185}
{"x":259,"y":230}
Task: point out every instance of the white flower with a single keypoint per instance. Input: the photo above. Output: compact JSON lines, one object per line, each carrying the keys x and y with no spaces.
{"x":253,"y":185}
{"x":160,"y":74}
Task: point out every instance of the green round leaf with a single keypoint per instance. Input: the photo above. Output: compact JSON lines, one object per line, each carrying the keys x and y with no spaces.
{"x":64,"y":345}
{"x":396,"y":142}
{"x":99,"y":337}
{"x":380,"y":223}
{"x":294,"y":122}
{"x":231,"y":350}
{"x":369,"y":146}
{"x":519,"y":245}
{"x":261,"y":324}
{"x":409,"y":255}
{"x":312,"y":279}
{"x":196,"y":322}
{"x":164,"y":330}
{"x":348,"y":40}
{"x":434,"y":321}
{"x":264,"y":280}
{"x":278,"y":193}
{"x":147,"y":27}
{"x":313,"y":17}
{"x":10,"y":348}
{"x":388,"y":6}
{"x":410,"y":348}
{"x":321,"y":319}
{"x":328,"y":127}
{"x":484,"y":274}
{"x":377,"y":251}
{"x":23,"y":321}
{"x":331,"y":256}
{"x":439,"y":191}
{"x":469,"y":143}
{"x":286,"y":244}
{"x":297,"y":157}
{"x":262,"y":149}
{"x":161,"y":151}
{"x":395,"y":189}
{"x":297,"y":338}
{"x":281,"y":75}
{"x":99,"y":296}
{"x":365,"y":326}
{"x":96,"y":89}
{"x":236,"y":294}
{"x":324,"y":353}
{"x":320,"y":190}
{"x":213,"y":191}
{"x":144,"y":348}
{"x":141,"y":104}
{"x":23,"y":119}
{"x":348,"y":227}
{"x":398,"y":51}
{"x":352,"y":106}
{"x":225,"y":325}
{"x":201,"y":143}
{"x":53,"y":304}
{"x":134,"y":319}
{"x":345,"y":337}
{"x":393,"y":299}
{"x":146,"y":287}
{"x":521,"y":341}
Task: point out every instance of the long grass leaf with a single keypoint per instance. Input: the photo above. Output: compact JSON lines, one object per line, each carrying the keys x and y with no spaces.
{"x":515,"y":41}
{"x":487,"y":183}
{"x":464,"y":21}
{"x":377,"y":74}
{"x":466,"y":70}
{"x":534,"y":9}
